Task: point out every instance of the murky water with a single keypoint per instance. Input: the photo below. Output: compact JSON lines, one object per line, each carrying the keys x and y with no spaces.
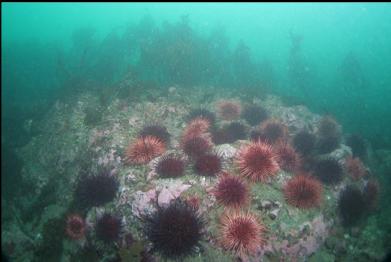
{"x":196,"y":132}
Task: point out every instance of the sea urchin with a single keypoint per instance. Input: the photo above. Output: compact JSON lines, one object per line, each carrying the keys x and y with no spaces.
{"x":108,"y":228}
{"x":203,"y":113}
{"x":75,"y":227}
{"x":257,"y":161}
{"x":196,"y":146}
{"x":371,"y":194}
{"x":196,"y":127}
{"x":231,"y":191}
{"x":228,"y":110}
{"x":241,"y":233}
{"x":351,"y":205}
{"x":273,"y":131}
{"x":175,"y":230}
{"x":170,"y":166}
{"x":355,"y":168}
{"x":287,"y":158}
{"x":144,"y":149}
{"x":97,"y":190}
{"x":254,"y":114}
{"x":156,"y":131}
{"x":304,"y":142}
{"x":329,"y":171}
{"x":303,"y":191}
{"x":208,"y":165}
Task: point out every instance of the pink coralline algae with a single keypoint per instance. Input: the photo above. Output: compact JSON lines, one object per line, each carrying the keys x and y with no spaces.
{"x":145,"y":202}
{"x":308,"y":243}
{"x":168,"y":194}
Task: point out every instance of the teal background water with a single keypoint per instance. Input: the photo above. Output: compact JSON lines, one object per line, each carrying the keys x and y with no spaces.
{"x":332,"y":58}
{"x":34,"y":34}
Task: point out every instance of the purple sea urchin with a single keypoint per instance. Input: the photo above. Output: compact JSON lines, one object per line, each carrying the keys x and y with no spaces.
{"x":254,"y":114}
{"x":351,"y":205}
{"x":156,"y":131}
{"x":304,"y":142}
{"x":371,"y":194}
{"x":92,"y":191}
{"x":175,"y":231}
{"x":230,"y":133}
{"x":203,"y":113}
{"x":329,"y":171}
{"x":358,"y":146}
{"x":108,"y":228}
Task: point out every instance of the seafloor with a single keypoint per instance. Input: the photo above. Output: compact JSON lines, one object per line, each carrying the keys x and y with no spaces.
{"x":69,"y":144}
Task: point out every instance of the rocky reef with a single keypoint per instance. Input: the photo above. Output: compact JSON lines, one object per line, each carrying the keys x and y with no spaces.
{"x":74,"y":144}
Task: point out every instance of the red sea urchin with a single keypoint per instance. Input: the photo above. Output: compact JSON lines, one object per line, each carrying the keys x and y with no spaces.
{"x":231,"y":191}
{"x":108,"y":228}
{"x":170,"y":166}
{"x":303,"y":191}
{"x":241,"y":233}
{"x":196,"y":128}
{"x":328,"y":127}
{"x":257,"y":161}
{"x":144,"y":149}
{"x":228,"y":110}
{"x":355,"y":168}
{"x":208,"y":165}
{"x":273,"y":131}
{"x":196,"y":146}
{"x":329,"y":135}
{"x":287,"y":158}
{"x":75,"y":227}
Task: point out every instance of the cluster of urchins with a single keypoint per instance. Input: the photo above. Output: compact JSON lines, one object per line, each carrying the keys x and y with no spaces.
{"x":175,"y":231}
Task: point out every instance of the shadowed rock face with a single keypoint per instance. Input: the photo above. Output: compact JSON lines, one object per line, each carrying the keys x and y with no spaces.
{"x":11,"y":177}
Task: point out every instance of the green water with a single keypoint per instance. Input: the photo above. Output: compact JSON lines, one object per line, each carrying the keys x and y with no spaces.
{"x":333,"y":58}
{"x":33,"y":34}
